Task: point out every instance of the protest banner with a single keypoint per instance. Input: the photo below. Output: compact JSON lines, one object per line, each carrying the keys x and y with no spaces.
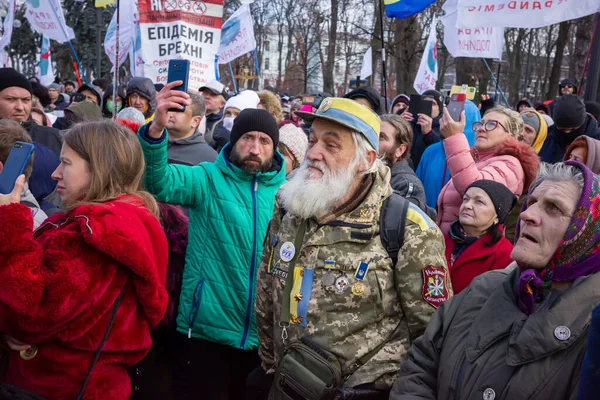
{"x":521,"y":13}
{"x":172,"y":29}
{"x":127,"y":32}
{"x":428,"y":69}
{"x":237,"y":35}
{"x":44,"y":70}
{"x":47,"y":19}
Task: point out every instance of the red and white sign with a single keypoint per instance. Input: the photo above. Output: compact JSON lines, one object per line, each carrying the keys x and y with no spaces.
{"x":478,"y":42}
{"x":521,"y":13}
{"x":180,"y":29}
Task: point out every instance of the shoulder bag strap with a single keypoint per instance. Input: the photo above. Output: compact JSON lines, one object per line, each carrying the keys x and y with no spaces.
{"x":110,"y":324}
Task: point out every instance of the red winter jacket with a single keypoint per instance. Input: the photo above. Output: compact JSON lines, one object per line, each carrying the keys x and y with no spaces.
{"x":58,"y":287}
{"x":476,"y":259}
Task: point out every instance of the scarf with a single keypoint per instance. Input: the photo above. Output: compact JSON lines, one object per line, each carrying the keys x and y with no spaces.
{"x":577,"y":255}
{"x":461,"y":239}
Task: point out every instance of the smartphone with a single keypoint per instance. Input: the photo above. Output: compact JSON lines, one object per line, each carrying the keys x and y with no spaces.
{"x":457,"y":105}
{"x":419,"y":106}
{"x":469,"y":90}
{"x":17,"y":161}
{"x":179,"y":70}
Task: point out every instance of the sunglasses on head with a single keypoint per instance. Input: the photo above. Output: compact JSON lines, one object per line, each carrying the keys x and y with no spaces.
{"x":489,"y":125}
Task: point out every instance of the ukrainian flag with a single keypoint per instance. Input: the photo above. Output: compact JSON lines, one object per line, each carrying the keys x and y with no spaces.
{"x":405,"y":8}
{"x":300,"y":295}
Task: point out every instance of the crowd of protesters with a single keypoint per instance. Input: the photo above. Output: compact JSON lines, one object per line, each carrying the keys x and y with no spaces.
{"x":171,"y":245}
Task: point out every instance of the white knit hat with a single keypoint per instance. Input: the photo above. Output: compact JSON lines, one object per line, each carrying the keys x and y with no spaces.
{"x":246,"y":99}
{"x":295,"y":139}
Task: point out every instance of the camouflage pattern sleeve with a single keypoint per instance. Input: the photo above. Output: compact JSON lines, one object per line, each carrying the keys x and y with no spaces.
{"x":263,"y":304}
{"x":421,"y":275}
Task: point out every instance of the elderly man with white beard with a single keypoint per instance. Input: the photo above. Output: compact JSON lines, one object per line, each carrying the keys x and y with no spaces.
{"x":327,"y":288}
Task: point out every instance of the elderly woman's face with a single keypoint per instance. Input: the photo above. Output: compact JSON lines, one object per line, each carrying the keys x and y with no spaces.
{"x":487,"y":140}
{"x":544,"y":224}
{"x":477,"y":212}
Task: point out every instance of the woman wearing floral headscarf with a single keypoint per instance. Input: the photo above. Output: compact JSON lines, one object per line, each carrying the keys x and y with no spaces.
{"x":520,"y":333}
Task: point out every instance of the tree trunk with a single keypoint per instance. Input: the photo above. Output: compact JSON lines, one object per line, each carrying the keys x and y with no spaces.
{"x":406,"y":46}
{"x":328,"y":82}
{"x":583,"y":37}
{"x":561,"y":42}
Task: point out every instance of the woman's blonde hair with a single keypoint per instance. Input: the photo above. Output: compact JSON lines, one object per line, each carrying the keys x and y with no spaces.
{"x":513,"y":123}
{"x":273,"y":106}
{"x":115,"y":160}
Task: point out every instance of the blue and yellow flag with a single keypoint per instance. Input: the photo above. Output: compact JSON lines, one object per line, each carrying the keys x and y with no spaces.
{"x":405,"y":8}
{"x":300,"y":295}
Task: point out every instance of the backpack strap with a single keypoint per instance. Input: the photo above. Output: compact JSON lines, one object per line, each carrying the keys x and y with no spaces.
{"x":391,"y":224}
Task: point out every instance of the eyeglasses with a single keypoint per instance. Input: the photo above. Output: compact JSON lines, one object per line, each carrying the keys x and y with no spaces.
{"x":568,"y":86}
{"x":489,"y":125}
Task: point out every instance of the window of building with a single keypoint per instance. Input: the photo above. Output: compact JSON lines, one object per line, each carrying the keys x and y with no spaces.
{"x":267,"y":46}
{"x":266,"y":63}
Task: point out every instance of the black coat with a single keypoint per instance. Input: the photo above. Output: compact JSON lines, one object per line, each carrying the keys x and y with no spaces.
{"x":556,"y":143}
{"x":420,"y":141}
{"x":405,"y":182}
{"x":45,"y":135}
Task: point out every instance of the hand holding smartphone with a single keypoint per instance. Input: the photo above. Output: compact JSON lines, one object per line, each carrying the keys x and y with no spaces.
{"x":457,"y":105}
{"x":15,"y":165}
{"x":179,"y":70}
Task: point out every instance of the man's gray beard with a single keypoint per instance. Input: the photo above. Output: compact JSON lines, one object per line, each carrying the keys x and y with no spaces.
{"x":306,"y":197}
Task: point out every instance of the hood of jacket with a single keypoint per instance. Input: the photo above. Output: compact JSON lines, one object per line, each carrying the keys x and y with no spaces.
{"x":593,"y":153}
{"x":108,"y":95}
{"x":145,"y":88}
{"x":94,"y":89}
{"x":521,"y":151}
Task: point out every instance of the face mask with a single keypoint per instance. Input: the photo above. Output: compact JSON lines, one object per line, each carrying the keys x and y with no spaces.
{"x":228,"y":123}
{"x":110,"y":104}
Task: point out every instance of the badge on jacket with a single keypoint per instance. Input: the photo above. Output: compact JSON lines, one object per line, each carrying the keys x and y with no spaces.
{"x":435,"y":287}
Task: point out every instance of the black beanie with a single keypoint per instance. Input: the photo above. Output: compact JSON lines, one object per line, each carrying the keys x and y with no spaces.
{"x":502,"y":198}
{"x":569,"y":111}
{"x":437,"y":96}
{"x":250,"y":120}
{"x":368,"y":93}
{"x":9,"y":77}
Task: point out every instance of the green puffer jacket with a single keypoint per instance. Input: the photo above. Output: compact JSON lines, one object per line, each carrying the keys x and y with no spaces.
{"x":229,"y":215}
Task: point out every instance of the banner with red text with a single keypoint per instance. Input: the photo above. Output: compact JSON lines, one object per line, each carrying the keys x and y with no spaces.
{"x":427,"y":75}
{"x":521,"y":13}
{"x":47,"y":18}
{"x":173,"y":29}
{"x":477,"y":42}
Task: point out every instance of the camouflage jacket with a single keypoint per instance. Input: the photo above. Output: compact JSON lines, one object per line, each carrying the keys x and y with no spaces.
{"x":351,"y":317}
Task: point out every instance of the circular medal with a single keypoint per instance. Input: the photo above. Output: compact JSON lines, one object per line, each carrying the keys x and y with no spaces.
{"x":287,"y":252}
{"x":328,"y":279}
{"x":29,"y":354}
{"x":358,"y":289}
{"x":341,"y":284}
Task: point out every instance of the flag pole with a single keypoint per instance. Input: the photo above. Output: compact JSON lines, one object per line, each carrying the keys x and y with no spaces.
{"x":256,"y":66}
{"x":495,"y":81}
{"x":233,"y":79}
{"x":78,"y":63}
{"x":117,"y":66}
{"x":383,"y":71}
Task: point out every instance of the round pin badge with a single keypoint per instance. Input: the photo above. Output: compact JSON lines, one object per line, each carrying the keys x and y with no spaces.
{"x":29,"y":354}
{"x":326,"y":105}
{"x":341,"y":284}
{"x":328,"y":278}
{"x":562,"y":333}
{"x":358,"y":289}
{"x":489,"y":394}
{"x":287,"y":252}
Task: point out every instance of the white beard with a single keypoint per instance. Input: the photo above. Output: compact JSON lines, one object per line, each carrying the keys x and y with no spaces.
{"x":305,"y":196}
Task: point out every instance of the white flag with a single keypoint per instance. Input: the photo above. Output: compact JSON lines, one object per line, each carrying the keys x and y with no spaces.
{"x":46,"y":18}
{"x":428,"y":69}
{"x":44,"y":70}
{"x":521,"y":13}
{"x":7,"y":29}
{"x":136,"y":63}
{"x":478,"y":42}
{"x":127,"y":32}
{"x":237,"y":35}
{"x":367,"y":65}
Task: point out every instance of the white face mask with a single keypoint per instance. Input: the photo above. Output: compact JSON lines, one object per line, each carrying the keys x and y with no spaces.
{"x":228,"y":123}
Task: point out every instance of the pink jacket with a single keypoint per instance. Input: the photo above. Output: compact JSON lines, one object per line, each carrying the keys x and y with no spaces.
{"x":514,"y":164}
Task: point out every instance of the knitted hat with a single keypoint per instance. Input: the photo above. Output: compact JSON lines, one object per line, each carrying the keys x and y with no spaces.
{"x":251,"y":120}
{"x":401,"y":98}
{"x":368,"y":93}
{"x":502,"y":198}
{"x":246,"y":99}
{"x":568,"y":81}
{"x":523,"y":102}
{"x":295,"y":139}
{"x":537,"y":121}
{"x":593,"y":108}
{"x":9,"y":77}
{"x":577,"y":255}
{"x":532,"y":119}
{"x":569,"y":111}
{"x":132,"y":114}
{"x":437,"y":96}
{"x":54,"y":86}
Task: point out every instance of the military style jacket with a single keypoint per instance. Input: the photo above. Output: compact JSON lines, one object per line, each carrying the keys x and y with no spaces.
{"x":347,"y":296}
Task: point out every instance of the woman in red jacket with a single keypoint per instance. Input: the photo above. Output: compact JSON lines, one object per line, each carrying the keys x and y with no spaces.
{"x":59,"y":284}
{"x":476,"y":242}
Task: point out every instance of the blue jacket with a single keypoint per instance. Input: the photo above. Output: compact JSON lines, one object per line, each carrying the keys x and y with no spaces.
{"x":432,"y":169}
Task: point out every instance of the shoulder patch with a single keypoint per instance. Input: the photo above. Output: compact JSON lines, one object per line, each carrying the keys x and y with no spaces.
{"x":435,"y":285}
{"x":417,"y":216}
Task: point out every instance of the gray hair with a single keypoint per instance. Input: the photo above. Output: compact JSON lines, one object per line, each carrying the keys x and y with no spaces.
{"x":198,"y":106}
{"x":363,"y":146}
{"x":514,"y":121}
{"x":559,"y":172}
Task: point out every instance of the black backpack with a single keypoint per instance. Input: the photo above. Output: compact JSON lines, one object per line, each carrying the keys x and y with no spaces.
{"x":391,"y":224}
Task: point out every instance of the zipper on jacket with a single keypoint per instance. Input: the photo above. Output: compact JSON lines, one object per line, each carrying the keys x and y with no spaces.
{"x":196,"y":300}
{"x":254,"y":189}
